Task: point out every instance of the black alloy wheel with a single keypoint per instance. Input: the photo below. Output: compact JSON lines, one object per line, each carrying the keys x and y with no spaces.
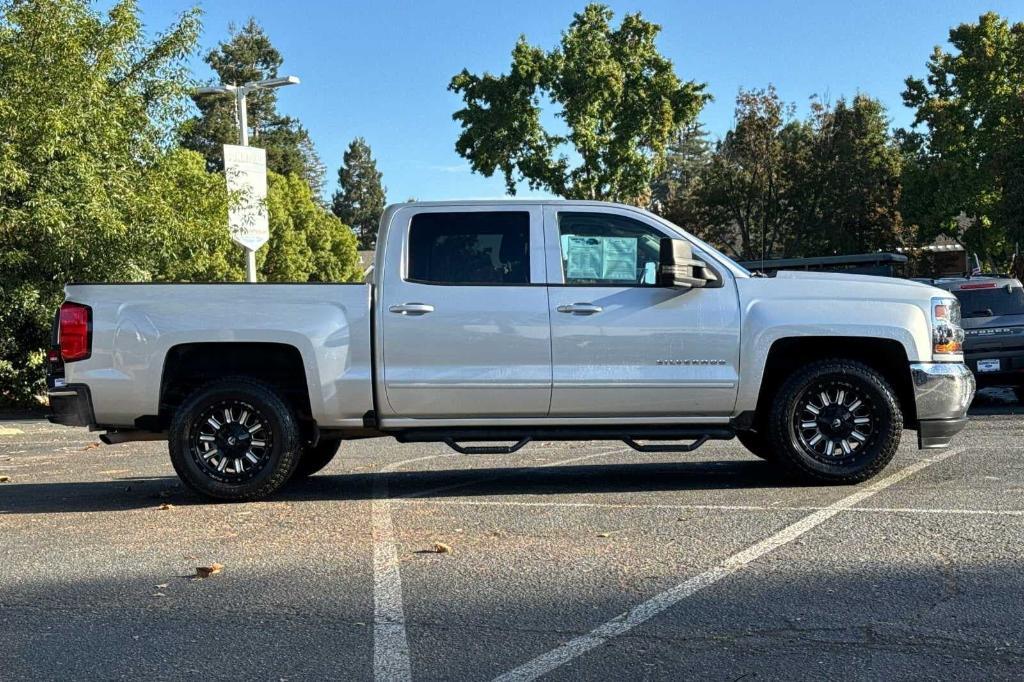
{"x":836,"y":421}
{"x":234,"y":439}
{"x":231,"y":441}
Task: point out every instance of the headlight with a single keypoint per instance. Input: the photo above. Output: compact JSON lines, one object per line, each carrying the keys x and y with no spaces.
{"x":947,"y":336}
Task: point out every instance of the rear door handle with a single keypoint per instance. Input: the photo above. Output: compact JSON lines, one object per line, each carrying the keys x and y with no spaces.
{"x":412,"y":308}
{"x":580,"y":308}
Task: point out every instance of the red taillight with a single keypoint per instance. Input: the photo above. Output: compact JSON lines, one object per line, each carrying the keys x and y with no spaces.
{"x":74,"y":332}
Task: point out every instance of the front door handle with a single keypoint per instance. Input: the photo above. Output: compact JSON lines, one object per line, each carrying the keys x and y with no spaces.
{"x":580,"y":308}
{"x":412,"y":308}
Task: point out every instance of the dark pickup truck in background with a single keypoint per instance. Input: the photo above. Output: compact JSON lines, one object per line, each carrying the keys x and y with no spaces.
{"x":992,"y":310}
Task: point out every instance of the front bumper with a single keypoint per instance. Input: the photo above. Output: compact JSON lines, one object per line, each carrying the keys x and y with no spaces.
{"x":942,"y":392}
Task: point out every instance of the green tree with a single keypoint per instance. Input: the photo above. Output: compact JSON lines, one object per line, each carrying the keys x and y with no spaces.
{"x":777,"y":186}
{"x":87,"y":185}
{"x":854,"y":180}
{"x":749,"y":178}
{"x":180,"y":220}
{"x":618,"y":97}
{"x":246,"y":56}
{"x":966,"y":149}
{"x":359,"y":201}
{"x":307,"y":243}
{"x":676,"y":191}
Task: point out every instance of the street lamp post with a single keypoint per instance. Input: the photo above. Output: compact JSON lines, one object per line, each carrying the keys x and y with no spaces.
{"x":240,"y":92}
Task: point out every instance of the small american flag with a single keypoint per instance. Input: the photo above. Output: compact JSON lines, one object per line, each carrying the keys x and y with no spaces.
{"x":976,"y":270}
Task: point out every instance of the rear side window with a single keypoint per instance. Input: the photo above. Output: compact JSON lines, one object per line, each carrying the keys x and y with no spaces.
{"x":470,"y":248}
{"x":1003,"y":300}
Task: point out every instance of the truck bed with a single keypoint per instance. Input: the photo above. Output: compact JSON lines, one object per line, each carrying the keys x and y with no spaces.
{"x":135,"y":325}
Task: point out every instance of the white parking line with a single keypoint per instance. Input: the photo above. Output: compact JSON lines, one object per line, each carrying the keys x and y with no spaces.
{"x":710,"y":507}
{"x":640,"y":614}
{"x":390,"y":642}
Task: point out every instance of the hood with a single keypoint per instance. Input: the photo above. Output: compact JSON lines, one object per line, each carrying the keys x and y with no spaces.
{"x":841,"y":281}
{"x":835,"y":286}
{"x":844,"y":277}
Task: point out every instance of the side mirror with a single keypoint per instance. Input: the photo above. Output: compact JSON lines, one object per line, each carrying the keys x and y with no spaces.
{"x":678,"y":268}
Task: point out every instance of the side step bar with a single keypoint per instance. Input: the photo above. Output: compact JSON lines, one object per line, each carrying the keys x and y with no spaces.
{"x":520,"y":436}
{"x":485,"y":449}
{"x":688,"y":447}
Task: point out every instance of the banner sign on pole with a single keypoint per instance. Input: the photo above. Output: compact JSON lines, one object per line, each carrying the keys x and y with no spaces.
{"x":246,"y":172}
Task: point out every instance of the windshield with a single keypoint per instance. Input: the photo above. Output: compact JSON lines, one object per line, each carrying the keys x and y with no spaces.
{"x":1005,"y":300}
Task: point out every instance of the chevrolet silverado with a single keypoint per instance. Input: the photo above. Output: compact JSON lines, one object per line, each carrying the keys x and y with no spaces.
{"x":506,"y":322}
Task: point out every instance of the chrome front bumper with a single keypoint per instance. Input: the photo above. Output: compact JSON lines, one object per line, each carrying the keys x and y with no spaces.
{"x":942,"y":392}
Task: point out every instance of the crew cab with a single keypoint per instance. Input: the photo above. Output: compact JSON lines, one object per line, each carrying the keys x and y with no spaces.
{"x":506,"y":322}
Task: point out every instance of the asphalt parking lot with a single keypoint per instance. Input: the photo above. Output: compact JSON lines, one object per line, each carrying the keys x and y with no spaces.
{"x":570,"y":561}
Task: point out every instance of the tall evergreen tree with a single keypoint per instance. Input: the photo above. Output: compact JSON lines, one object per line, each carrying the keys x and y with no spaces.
{"x":248,"y":55}
{"x":675,"y":192}
{"x":359,"y":201}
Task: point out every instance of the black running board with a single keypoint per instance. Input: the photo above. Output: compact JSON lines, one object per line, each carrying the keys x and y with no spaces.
{"x":486,"y":449}
{"x":683,"y":447}
{"x":458,"y":439}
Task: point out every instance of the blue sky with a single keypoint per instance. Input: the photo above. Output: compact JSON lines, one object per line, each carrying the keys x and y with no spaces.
{"x":380,"y":69}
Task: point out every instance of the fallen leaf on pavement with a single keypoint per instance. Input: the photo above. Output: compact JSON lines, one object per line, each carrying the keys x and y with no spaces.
{"x":160,"y":587}
{"x":207,"y":571}
{"x":441,"y":548}
{"x":5,"y":479}
{"x":91,"y":446}
{"x":165,"y":506}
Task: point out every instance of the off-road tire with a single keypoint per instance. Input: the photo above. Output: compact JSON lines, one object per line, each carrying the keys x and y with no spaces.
{"x":758,"y":444}
{"x":791,"y":441}
{"x":276,"y":462}
{"x":315,"y":458}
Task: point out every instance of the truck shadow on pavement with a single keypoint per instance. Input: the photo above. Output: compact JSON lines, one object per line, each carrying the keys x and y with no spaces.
{"x":140,"y":493}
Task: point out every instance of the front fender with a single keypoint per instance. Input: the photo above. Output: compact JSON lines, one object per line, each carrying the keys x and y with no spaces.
{"x":767,"y":321}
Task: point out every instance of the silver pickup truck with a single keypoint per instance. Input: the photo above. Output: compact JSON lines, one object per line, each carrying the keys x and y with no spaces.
{"x":505,"y":322}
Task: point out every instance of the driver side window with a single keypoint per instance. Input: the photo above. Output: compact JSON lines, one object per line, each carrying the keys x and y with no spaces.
{"x":609,"y":250}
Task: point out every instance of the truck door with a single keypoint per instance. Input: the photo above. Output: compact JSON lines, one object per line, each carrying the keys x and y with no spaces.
{"x":622,"y":346}
{"x":464,"y":313}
